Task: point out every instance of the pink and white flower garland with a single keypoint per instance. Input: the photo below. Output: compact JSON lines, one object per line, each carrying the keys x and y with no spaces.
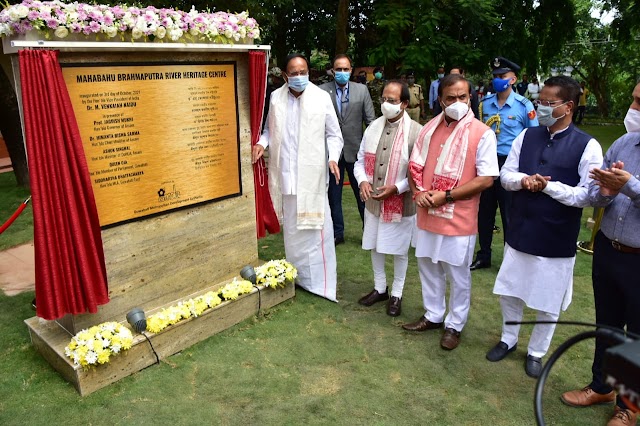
{"x":149,"y":23}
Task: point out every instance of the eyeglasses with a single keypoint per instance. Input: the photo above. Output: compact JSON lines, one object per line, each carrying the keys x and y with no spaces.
{"x":390,"y":100}
{"x":550,"y":103}
{"x":297,"y":74}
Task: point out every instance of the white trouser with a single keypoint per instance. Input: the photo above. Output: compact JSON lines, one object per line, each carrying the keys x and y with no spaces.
{"x":541,"y":335}
{"x":433,"y":277}
{"x":400,"y":264}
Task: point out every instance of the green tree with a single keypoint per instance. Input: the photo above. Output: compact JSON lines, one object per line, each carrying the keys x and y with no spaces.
{"x":604,"y":60}
{"x":423,"y":34}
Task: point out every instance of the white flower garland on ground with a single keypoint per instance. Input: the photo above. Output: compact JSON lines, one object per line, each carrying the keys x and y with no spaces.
{"x":147,"y":23}
{"x":96,"y":345}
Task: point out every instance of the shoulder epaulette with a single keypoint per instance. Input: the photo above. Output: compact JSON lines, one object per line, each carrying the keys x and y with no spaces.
{"x":524,"y":101}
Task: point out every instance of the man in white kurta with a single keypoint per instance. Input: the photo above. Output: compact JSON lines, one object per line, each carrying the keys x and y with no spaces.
{"x":548,"y":170}
{"x":389,"y":215}
{"x":452,"y":162}
{"x":304,"y":140}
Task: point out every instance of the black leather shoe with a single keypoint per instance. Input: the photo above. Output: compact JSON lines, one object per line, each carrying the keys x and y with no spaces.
{"x":533,"y":366}
{"x":338,"y":240}
{"x":480,"y":264}
{"x":394,"y":307}
{"x":499,"y":351}
{"x":373,"y":297}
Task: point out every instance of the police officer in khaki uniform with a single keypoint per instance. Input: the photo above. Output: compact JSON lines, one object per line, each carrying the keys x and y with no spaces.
{"x":416,"y":100}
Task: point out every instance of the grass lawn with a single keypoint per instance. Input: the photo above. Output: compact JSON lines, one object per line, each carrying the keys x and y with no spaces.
{"x":310,"y":361}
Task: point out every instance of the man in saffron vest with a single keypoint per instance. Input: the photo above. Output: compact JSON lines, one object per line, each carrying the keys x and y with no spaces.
{"x":382,"y":174}
{"x":304,"y":141}
{"x":547,"y":171}
{"x":452,"y":162}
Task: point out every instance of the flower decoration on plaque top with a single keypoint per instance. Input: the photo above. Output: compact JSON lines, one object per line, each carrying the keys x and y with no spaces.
{"x":81,"y":21}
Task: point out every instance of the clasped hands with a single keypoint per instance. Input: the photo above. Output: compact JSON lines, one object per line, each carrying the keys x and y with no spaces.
{"x":535,"y":183}
{"x":611,"y":180}
{"x":428,"y":199}
{"x":381,"y":193}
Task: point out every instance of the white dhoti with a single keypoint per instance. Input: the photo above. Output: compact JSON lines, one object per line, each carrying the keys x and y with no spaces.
{"x":392,"y":238}
{"x":441,"y":257}
{"x":541,"y":283}
{"x":311,"y":251}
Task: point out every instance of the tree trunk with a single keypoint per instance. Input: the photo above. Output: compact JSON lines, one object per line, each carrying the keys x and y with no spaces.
{"x":342,"y":22}
{"x":279,"y":48}
{"x":12,"y":130}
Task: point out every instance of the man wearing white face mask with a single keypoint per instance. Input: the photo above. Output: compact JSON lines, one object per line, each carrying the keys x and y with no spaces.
{"x":304,"y":140}
{"x":381,"y":171}
{"x":616,"y":255}
{"x":452,"y":162}
{"x":547,"y":172}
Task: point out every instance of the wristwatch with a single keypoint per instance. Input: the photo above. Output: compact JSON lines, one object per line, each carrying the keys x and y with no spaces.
{"x":447,"y":196}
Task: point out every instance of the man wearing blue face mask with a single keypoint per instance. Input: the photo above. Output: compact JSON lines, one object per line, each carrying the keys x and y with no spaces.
{"x":304,"y":141}
{"x":508,"y":114}
{"x":354,"y":108}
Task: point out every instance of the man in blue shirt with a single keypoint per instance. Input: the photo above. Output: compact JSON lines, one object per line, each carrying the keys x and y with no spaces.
{"x":616,"y":255}
{"x":508,"y":114}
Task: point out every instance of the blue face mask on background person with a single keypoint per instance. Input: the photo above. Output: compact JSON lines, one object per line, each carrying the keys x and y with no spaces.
{"x":500,"y":84}
{"x":299,"y":82}
{"x":342,"y":77}
{"x":378,"y":75}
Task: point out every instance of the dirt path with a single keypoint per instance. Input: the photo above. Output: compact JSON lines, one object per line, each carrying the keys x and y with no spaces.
{"x":17,"y":270}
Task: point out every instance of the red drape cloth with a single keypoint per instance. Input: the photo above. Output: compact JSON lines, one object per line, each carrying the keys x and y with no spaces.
{"x":266,"y":219}
{"x":70,"y":272}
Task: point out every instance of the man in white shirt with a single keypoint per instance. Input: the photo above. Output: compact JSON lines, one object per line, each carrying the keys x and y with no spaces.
{"x":301,"y":118}
{"x":548,"y":171}
{"x":533,"y":89}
